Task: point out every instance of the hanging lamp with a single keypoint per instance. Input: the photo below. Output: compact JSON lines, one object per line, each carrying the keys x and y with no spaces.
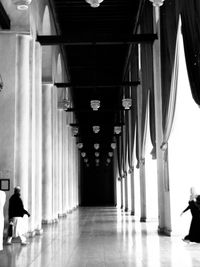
{"x":113,"y":145}
{"x":127,"y":103}
{"x":96,"y":128}
{"x":80,"y":145}
{"x":22,"y":4}
{"x":96,"y":146}
{"x":94,"y":3}
{"x":95,"y":104}
{"x":117,"y":129}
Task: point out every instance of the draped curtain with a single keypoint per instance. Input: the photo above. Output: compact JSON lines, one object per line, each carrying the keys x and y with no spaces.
{"x":169,"y":71}
{"x":124,"y":142}
{"x":172,"y":97}
{"x":132,"y":114}
{"x":146,"y":26}
{"x":128,"y":137}
{"x":190,"y":17}
{"x":169,"y":14}
{"x":152,"y":125}
{"x":119,"y":156}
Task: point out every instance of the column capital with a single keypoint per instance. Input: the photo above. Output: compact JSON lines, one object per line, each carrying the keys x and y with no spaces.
{"x":157,"y":3}
{"x":46,"y":83}
{"x":15,"y":32}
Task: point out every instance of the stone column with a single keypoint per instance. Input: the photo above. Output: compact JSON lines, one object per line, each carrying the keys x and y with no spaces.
{"x":77,"y":177}
{"x":55,"y":155}
{"x":143,"y":204}
{"x":47,"y":171}
{"x":60,"y":164}
{"x":8,"y":64}
{"x":125,"y":178}
{"x":132,"y":193}
{"x":65,"y":166}
{"x":141,"y":160}
{"x":22,"y":111}
{"x":122,"y":193}
{"x":38,"y":139}
{"x":31,"y":191}
{"x":73,"y":175}
{"x":72,"y":172}
{"x":68,"y":169}
{"x":163,"y":196}
{"x":70,"y":156}
{"x":126,"y":191}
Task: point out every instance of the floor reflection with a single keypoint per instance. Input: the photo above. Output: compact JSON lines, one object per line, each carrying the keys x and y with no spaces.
{"x":102,"y":237}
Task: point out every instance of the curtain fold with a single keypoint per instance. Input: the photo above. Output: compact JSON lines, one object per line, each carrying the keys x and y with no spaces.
{"x":132,"y":116}
{"x":133,"y":76}
{"x":146,"y":26}
{"x":124,"y":144}
{"x":169,"y":15}
{"x":119,"y":156}
{"x":190,"y":17}
{"x":130,"y":138}
{"x":152,"y":122}
{"x":172,"y":97}
{"x":169,"y":71}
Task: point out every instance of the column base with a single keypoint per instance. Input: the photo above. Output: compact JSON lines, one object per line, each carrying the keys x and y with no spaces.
{"x":143,"y":219}
{"x":132,"y":213}
{"x":164,"y":231}
{"x":16,"y":240}
{"x":62,"y":215}
{"x":31,"y":234}
{"x":70,"y":211}
{"x":39,"y":231}
{"x":126,"y":209}
{"x":47,"y":221}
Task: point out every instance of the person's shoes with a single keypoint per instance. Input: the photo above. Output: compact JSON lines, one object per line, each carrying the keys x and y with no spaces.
{"x":186,"y":240}
{"x":9,"y":241}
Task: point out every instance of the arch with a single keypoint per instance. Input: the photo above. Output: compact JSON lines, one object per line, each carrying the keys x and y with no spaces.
{"x":46,"y":50}
{"x":59,"y":77}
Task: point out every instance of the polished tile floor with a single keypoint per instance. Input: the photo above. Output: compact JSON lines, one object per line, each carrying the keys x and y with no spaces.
{"x":101,"y":237}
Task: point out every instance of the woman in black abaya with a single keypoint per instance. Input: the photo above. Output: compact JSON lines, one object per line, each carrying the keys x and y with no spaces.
{"x":194,"y":232}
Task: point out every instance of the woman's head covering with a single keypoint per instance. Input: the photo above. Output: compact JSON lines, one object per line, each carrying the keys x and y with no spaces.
{"x":198,"y":199}
{"x":197,"y":203}
{"x":17,"y":190}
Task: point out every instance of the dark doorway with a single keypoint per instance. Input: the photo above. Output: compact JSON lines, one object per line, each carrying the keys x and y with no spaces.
{"x":97,"y":186}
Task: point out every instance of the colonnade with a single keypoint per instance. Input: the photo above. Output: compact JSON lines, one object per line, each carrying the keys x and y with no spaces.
{"x":36,"y":139}
{"x":129,"y":175}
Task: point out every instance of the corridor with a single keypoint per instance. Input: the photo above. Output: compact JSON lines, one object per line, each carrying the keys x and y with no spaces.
{"x":101,"y":237}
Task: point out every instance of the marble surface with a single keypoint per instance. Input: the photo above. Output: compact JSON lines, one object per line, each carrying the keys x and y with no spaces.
{"x":101,"y":237}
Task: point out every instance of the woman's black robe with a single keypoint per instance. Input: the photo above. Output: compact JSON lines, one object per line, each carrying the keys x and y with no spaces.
{"x":194,"y":232}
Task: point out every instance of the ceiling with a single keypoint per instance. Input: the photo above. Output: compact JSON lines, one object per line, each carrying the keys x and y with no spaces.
{"x":96,"y":44}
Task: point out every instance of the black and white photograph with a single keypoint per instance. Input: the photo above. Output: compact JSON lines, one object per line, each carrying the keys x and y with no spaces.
{"x":99,"y":133}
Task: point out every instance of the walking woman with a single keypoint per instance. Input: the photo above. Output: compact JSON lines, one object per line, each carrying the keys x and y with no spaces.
{"x":194,"y":231}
